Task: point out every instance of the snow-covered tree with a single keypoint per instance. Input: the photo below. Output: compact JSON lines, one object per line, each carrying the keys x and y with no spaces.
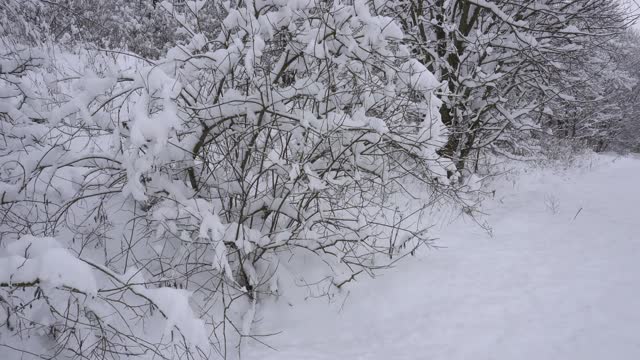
{"x":503,"y":62}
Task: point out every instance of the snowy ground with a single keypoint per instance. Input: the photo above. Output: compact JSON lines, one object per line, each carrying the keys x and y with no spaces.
{"x":553,"y":282}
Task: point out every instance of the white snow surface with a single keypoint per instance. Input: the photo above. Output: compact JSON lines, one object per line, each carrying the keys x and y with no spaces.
{"x":558,"y":279}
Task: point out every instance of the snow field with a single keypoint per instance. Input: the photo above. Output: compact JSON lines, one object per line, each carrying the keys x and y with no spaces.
{"x":558,"y":277}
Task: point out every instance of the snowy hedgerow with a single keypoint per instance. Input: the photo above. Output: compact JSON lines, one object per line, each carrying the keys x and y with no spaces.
{"x":286,"y":137}
{"x":151,"y":202}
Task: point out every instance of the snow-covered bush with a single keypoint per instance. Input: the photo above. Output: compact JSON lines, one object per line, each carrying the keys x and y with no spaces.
{"x":141,"y":27}
{"x":192,"y":186}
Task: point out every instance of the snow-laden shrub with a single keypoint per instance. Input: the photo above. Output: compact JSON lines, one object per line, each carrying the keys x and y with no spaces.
{"x":190,"y":187}
{"x":141,"y":27}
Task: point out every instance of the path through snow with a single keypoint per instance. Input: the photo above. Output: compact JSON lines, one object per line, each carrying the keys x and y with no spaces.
{"x":545,"y":286}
